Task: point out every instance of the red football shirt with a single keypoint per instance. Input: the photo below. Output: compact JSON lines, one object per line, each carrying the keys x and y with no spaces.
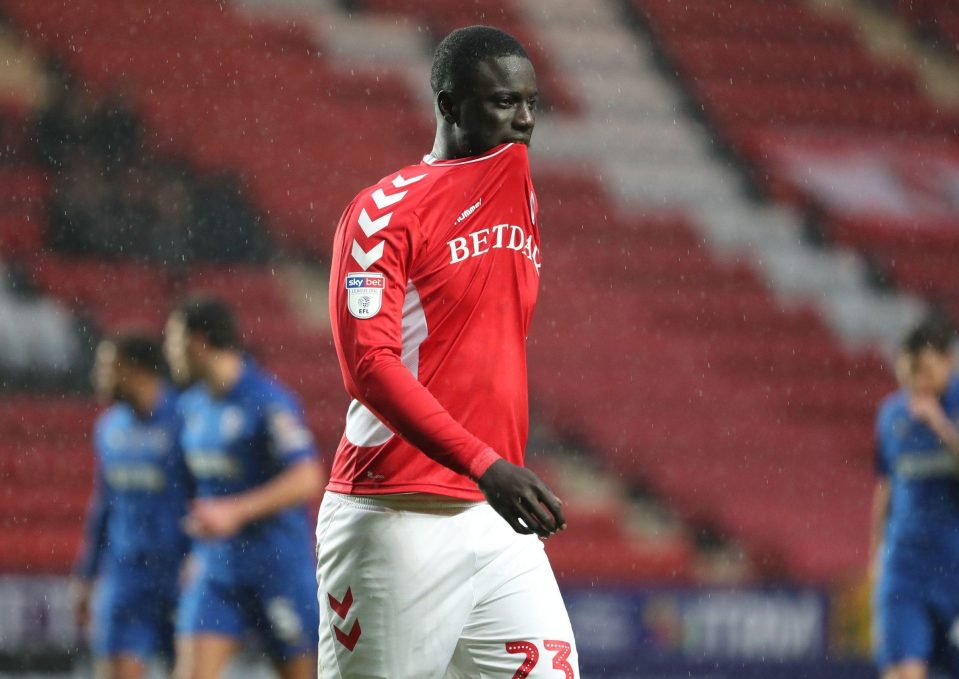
{"x":434,"y":278}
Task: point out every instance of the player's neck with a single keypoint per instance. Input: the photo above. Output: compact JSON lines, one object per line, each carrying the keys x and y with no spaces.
{"x":447,"y":145}
{"x":146,"y":397}
{"x":444,"y":149}
{"x":223,"y":371}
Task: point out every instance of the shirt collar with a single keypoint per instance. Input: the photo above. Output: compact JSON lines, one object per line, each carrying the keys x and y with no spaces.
{"x":430,"y":159}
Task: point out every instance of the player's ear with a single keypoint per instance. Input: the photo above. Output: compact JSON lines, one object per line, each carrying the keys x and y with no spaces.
{"x":447,"y":107}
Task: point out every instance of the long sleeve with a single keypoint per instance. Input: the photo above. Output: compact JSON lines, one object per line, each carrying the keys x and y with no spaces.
{"x":95,"y":534}
{"x":370,"y":343}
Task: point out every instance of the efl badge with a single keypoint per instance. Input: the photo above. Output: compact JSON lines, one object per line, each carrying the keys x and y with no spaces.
{"x":364,"y":293}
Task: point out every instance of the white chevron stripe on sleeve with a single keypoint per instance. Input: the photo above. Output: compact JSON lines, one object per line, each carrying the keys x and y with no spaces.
{"x":399,"y":182}
{"x":367,"y":259}
{"x":383,"y":200}
{"x":372,"y":226}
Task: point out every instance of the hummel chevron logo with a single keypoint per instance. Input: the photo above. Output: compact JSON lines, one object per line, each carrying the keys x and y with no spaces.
{"x":348,"y":640}
{"x":371,"y":226}
{"x":399,"y":182}
{"x":383,"y":200}
{"x":342,"y":608}
{"x":364,"y":258}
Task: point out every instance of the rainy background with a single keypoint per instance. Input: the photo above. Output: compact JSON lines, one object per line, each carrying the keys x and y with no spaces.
{"x":744,"y":205}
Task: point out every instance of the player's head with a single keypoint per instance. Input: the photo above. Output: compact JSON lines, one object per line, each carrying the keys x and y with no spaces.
{"x":484,"y":88}
{"x":124,"y":364}
{"x":928,"y":349}
{"x":198,"y":329}
{"x":902,"y":367}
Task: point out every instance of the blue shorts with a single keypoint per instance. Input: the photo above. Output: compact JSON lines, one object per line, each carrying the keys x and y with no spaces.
{"x":281,"y":609}
{"x":917,"y":621}
{"x":133,"y":616}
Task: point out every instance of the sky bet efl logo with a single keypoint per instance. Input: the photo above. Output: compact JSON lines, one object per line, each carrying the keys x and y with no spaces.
{"x":364,"y":294}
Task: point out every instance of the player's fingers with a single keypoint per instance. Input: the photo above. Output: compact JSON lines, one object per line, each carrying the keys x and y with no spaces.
{"x":514,"y":517}
{"x":529,"y":527}
{"x":530,"y":518}
{"x":544,"y":522}
{"x":555,"y":506}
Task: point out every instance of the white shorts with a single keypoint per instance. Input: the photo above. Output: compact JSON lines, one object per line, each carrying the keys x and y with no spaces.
{"x":416,"y":588}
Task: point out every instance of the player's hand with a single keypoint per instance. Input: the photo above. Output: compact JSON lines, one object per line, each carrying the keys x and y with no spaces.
{"x":80,"y":593}
{"x":522,"y":499}
{"x":926,"y":407}
{"x":212,"y":518}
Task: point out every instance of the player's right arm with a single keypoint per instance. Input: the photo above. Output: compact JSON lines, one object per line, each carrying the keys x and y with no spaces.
{"x":299,"y":479}
{"x":877,"y":533}
{"x":879,"y":513}
{"x":370,"y":353}
{"x":88,"y":563}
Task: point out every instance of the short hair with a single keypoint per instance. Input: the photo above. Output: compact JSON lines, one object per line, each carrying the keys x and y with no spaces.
{"x":141,"y":350}
{"x":457,"y":55}
{"x":212,"y":318}
{"x":934,"y":333}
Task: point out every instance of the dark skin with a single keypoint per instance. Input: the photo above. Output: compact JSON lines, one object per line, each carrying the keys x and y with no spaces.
{"x":498,"y":106}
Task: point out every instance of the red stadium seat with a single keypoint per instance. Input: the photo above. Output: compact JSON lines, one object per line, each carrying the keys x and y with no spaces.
{"x":21,"y":232}
{"x":763,"y":71}
{"x":682,"y":372}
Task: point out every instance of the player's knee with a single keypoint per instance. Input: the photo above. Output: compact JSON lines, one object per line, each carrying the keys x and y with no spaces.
{"x":123,"y":667}
{"x":198,"y":670}
{"x":906,"y":670}
{"x":186,"y":667}
{"x":203,"y":656}
{"x":191,"y":671}
{"x":130,"y":669}
{"x":301,"y":667}
{"x":181,"y":670}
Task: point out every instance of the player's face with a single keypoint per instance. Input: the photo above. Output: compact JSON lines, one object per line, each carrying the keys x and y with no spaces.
{"x":176,"y":349}
{"x":931,"y":370}
{"x":104,"y":375}
{"x":500,"y":105}
{"x":903,"y":368}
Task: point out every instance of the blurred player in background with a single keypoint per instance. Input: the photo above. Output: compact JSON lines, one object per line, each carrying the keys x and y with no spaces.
{"x":134,"y":543}
{"x":434,"y":278}
{"x":916,"y":512}
{"x":254,"y":467}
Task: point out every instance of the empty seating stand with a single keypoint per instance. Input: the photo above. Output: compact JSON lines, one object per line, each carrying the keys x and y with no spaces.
{"x":936,"y":19}
{"x":685,"y":374}
{"x":771,"y":71}
{"x":225,"y":92}
{"x":680,"y":371}
{"x":442,"y":17}
{"x":45,"y":476}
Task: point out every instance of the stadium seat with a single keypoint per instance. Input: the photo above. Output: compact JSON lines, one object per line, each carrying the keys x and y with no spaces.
{"x":765,"y":73}
{"x":680,"y":371}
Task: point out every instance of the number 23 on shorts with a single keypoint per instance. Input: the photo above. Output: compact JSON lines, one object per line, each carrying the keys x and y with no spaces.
{"x":560,"y":649}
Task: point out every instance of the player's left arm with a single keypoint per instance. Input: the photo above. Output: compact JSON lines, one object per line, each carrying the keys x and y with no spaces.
{"x":299,"y":480}
{"x":928,"y":409}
